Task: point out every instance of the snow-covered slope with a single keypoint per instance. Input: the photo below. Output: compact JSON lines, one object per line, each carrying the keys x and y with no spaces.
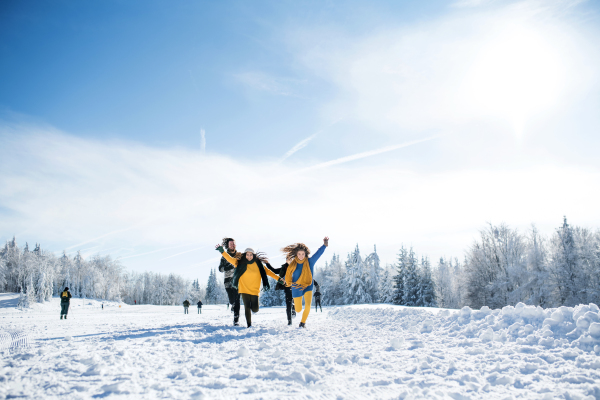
{"x":364,"y":351}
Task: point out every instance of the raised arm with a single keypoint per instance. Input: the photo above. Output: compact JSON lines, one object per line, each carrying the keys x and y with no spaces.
{"x":315,"y":257}
{"x":232,"y":260}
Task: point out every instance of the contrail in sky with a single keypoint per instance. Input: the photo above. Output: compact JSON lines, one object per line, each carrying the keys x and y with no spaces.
{"x":366,"y":154}
{"x":302,"y":144}
{"x":178,"y":254}
{"x":153,"y":251}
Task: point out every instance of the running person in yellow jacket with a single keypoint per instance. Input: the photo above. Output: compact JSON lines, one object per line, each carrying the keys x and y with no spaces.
{"x":248,"y":274}
{"x":299,"y":275}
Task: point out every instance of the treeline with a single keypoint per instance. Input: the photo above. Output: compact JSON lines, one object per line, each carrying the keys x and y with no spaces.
{"x":38,"y":275}
{"x":502,"y":267}
{"x":360,"y":281}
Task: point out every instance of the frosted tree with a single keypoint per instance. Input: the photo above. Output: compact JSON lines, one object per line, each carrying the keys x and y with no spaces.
{"x":271,"y":297}
{"x":330,"y":278}
{"x":400,"y":295}
{"x":211,"y":288}
{"x":443,"y":284}
{"x":355,"y":281}
{"x":495,"y":269}
{"x":386,"y":285}
{"x":412,"y":280}
{"x":427,"y":296}
{"x":566,"y":267}
{"x":373,"y":274}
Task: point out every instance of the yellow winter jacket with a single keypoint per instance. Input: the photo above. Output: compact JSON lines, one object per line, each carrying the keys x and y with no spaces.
{"x":250,"y":282}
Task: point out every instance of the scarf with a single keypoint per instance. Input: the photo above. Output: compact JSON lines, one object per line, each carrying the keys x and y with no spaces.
{"x":305,"y":279}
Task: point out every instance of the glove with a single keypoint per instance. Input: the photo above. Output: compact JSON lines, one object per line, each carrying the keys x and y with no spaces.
{"x":266,"y":287}
{"x":220,"y":249}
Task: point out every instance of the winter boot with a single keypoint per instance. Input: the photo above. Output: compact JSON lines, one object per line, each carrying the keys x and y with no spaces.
{"x":289,"y":321}
{"x":249,"y":325}
{"x":61,"y":317}
{"x":65,"y":317}
{"x":302,"y":325}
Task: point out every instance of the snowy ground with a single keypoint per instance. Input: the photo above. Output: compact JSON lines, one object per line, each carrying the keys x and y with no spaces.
{"x":349,"y":352}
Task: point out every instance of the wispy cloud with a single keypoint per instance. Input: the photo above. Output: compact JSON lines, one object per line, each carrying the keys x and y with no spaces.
{"x":268,"y":83}
{"x":85,"y":187}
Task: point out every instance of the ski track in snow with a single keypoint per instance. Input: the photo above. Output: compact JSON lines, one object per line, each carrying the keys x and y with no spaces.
{"x":347,"y":352}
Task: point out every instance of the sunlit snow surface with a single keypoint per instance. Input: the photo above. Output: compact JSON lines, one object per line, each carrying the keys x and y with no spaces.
{"x":373,"y":351}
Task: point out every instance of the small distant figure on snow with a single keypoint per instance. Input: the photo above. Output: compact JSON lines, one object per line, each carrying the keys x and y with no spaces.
{"x":317,"y":296}
{"x":65,"y":301}
{"x":103,"y":306}
{"x":186,"y":307}
{"x":199,"y":306}
{"x":135,"y":302}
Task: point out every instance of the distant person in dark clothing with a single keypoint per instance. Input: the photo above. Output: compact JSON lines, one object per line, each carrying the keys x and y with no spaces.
{"x":289,"y":310}
{"x":186,"y":307}
{"x":103,"y":306}
{"x":227,"y":268}
{"x":65,"y":301}
{"x":317,"y":296}
{"x":199,"y":306}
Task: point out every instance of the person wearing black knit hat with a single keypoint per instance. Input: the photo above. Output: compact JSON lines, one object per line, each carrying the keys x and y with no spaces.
{"x":227,"y":268}
{"x":65,"y":301}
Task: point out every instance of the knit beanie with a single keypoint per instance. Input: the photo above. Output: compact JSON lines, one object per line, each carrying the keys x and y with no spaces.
{"x":249,"y":250}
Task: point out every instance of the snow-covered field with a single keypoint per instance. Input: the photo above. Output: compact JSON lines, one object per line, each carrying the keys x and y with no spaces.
{"x":371,"y":351}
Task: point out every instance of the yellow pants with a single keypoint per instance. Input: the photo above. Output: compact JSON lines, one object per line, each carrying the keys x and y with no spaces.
{"x":307,"y":301}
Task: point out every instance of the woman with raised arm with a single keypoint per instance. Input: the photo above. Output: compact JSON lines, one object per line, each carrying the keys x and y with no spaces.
{"x":247,"y":276}
{"x":299,"y":275}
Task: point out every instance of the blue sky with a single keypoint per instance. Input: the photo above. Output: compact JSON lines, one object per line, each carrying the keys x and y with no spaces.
{"x":381,"y":123}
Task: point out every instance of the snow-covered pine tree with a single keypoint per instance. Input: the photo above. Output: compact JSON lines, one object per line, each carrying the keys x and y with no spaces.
{"x":331,"y":282}
{"x":565,"y":266}
{"x":211,"y":288}
{"x":373,"y":275}
{"x":427,"y":296}
{"x":443,"y":283}
{"x":271,"y":297}
{"x":386,"y":285}
{"x":400,"y":294}
{"x":411,"y":280}
{"x":355,"y":282}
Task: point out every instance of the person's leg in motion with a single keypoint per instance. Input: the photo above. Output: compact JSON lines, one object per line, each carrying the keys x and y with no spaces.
{"x":255,"y":304}
{"x":247,"y":308}
{"x":236,"y":309}
{"x":298,"y":304}
{"x":288,"y":304}
{"x":307,"y":303}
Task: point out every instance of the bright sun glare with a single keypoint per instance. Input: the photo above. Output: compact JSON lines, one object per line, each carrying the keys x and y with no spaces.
{"x":517,"y":75}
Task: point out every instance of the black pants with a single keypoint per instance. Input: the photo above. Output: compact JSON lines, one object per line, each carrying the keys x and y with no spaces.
{"x":318,"y":303}
{"x":250,"y":306}
{"x":186,"y":310}
{"x":64,"y":308}
{"x":234,"y":300}
{"x":289,"y":304}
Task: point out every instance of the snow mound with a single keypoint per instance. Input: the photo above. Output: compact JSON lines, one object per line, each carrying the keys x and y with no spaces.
{"x":13,"y":339}
{"x":577,"y":327}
